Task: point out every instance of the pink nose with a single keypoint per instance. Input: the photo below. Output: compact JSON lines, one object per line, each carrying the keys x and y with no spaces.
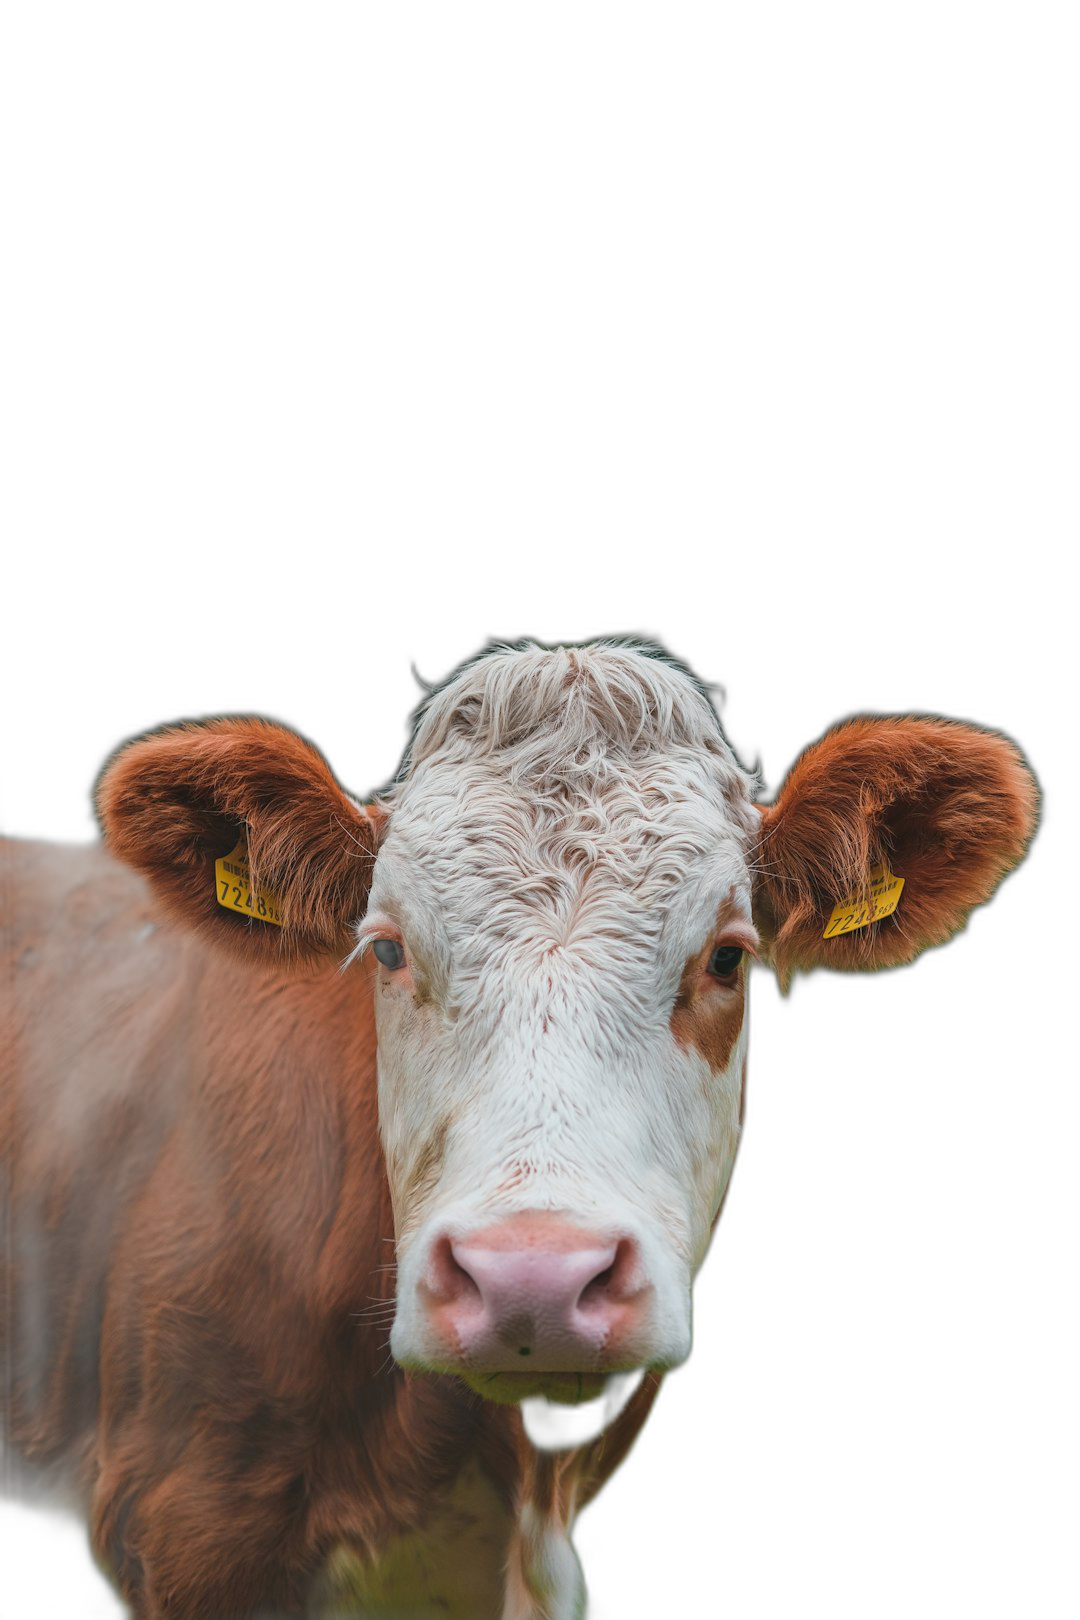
{"x":535,"y":1287}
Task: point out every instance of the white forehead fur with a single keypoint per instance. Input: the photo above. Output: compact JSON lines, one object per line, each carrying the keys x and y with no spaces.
{"x":551,"y":798}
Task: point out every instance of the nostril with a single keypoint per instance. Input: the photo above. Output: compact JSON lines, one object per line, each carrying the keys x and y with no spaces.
{"x":617,"y":1282}
{"x":448,"y":1281}
{"x":596,"y":1291}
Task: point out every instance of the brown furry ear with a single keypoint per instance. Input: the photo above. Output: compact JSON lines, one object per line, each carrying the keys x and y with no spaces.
{"x":173,"y":801}
{"x":946,"y":806}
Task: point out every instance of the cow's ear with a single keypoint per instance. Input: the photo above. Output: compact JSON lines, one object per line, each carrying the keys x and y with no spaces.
{"x":297,"y":848}
{"x":946,"y":806}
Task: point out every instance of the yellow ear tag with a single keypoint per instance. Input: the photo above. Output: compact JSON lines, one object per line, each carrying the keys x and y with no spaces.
{"x":858,"y":911}
{"x":234,"y":890}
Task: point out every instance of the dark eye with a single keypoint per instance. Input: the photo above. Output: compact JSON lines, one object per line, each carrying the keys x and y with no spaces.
{"x":724,"y":960}
{"x":390,"y":952}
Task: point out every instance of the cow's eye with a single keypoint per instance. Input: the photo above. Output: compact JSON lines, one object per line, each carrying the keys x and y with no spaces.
{"x":390,"y":952}
{"x":724,"y":960}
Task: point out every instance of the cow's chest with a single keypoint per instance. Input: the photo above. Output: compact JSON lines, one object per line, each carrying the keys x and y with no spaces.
{"x":451,"y":1569}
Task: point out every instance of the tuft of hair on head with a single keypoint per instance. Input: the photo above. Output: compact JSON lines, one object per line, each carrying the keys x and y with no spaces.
{"x":572,"y":710}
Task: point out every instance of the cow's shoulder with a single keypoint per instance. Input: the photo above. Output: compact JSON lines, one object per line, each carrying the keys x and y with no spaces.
{"x":67,"y":904}
{"x":80,"y":953}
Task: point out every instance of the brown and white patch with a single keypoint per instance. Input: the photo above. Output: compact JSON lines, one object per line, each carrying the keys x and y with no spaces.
{"x":709,"y":1011}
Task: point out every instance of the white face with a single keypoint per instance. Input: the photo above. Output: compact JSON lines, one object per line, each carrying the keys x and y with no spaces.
{"x":561,"y":1051}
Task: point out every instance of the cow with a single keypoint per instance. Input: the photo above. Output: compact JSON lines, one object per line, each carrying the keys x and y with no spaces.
{"x":338,"y":1133}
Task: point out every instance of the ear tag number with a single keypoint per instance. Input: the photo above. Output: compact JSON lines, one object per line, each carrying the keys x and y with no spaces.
{"x":858,"y":911}
{"x":234,"y":890}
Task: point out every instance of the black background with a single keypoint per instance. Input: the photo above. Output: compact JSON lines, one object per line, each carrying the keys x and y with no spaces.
{"x":846,"y":1406}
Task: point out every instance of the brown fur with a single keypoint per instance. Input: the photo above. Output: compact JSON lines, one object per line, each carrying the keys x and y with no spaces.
{"x":709,"y":1021}
{"x":708,"y":1014}
{"x":172,"y":802}
{"x":948,"y":807}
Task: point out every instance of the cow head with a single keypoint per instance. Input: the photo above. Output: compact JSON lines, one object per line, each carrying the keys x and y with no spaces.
{"x":563,"y":891}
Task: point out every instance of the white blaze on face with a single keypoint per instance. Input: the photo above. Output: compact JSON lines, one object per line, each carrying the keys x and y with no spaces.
{"x":567,"y":848}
